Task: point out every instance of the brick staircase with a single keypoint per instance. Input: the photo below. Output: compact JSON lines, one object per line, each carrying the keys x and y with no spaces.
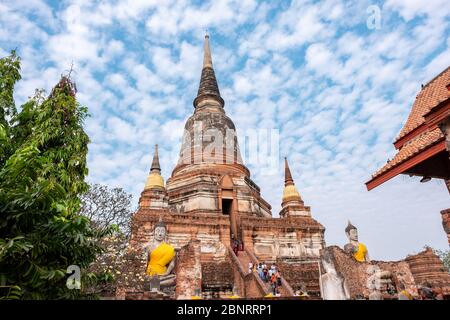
{"x":244,"y":259}
{"x":285,"y":289}
{"x":254,"y":286}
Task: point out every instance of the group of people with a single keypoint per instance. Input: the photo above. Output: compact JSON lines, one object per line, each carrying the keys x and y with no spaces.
{"x":270,"y":275}
{"x":426,"y":292}
{"x":236,"y":245}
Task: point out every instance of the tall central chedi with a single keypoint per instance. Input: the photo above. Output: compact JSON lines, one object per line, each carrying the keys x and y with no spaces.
{"x":209,"y":202}
{"x":210,"y":176}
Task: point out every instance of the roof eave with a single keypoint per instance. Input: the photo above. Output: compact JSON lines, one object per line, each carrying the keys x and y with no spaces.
{"x":405,"y":165}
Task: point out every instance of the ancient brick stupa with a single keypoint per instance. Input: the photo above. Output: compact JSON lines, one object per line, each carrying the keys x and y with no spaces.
{"x":210,"y":209}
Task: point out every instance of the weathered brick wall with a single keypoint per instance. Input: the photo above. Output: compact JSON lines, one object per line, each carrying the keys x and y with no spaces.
{"x":427,"y":267}
{"x":217,"y":276}
{"x":188,"y":271}
{"x":252,"y":290}
{"x":401,"y":274}
{"x":182,"y":228}
{"x":302,"y":274}
{"x":239,"y":284}
{"x":217,"y":279}
{"x":356,"y":274}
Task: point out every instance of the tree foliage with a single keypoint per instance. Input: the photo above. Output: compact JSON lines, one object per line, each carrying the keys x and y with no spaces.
{"x":9,"y":75}
{"x":107,"y":206}
{"x":444,"y":255}
{"x":42,"y":170}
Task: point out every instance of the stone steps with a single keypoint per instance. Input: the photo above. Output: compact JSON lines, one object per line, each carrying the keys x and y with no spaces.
{"x":285,"y":289}
{"x":253,"y":286}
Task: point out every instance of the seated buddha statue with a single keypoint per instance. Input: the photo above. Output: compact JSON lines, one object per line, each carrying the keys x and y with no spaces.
{"x":354,"y":247}
{"x":160,"y":256}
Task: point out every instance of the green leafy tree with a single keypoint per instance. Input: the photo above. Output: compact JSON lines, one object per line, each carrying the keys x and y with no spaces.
{"x":444,"y":255}
{"x":42,"y":171}
{"x":106,"y":206}
{"x":9,"y":75}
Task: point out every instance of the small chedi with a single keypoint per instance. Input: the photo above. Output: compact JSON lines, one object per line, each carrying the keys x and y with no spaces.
{"x":199,"y":234}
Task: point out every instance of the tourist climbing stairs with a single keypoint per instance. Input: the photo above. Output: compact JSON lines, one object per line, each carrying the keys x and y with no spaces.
{"x":285,"y":289}
{"x":254,"y":287}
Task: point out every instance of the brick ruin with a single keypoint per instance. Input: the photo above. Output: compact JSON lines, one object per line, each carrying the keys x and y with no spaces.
{"x":424,"y":268}
{"x":210,"y":198}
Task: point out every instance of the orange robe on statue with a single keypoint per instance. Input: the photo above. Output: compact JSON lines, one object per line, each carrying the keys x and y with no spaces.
{"x":159,"y":259}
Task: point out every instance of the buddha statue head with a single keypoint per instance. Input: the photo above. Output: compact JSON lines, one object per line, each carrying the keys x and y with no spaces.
{"x":160,"y":231}
{"x":351,"y":232}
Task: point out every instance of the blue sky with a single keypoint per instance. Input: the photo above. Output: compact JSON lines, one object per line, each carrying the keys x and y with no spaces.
{"x":337,"y":91}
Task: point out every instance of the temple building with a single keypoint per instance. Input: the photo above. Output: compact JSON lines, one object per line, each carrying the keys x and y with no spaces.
{"x":210,"y":203}
{"x":424,"y":141}
{"x":423,"y":147}
{"x":197,"y":235}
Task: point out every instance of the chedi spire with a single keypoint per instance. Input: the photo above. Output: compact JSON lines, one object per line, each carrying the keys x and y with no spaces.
{"x":292,"y":204}
{"x":290,"y":192}
{"x":208,"y":90}
{"x":154,"y":179}
{"x":287,"y":174}
{"x":155,"y":163}
{"x":207,"y":59}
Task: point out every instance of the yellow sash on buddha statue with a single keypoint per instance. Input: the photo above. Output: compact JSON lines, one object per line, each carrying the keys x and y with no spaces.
{"x":407,"y":294}
{"x":159,"y":259}
{"x":360,"y":255}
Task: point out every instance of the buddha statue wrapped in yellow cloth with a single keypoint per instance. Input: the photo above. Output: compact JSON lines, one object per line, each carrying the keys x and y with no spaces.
{"x":160,"y":256}
{"x":354,"y":247}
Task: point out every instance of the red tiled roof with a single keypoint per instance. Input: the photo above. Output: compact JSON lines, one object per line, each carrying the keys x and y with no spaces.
{"x":431,"y":95}
{"x":417,"y":144}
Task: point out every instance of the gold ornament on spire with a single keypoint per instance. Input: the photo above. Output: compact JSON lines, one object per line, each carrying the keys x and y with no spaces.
{"x":290,"y":191}
{"x":154,"y":179}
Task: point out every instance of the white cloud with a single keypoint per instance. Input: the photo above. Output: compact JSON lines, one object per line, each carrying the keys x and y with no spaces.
{"x":338,"y":94}
{"x":410,"y":9}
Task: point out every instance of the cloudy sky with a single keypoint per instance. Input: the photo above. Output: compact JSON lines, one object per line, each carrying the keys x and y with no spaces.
{"x":336,"y":84}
